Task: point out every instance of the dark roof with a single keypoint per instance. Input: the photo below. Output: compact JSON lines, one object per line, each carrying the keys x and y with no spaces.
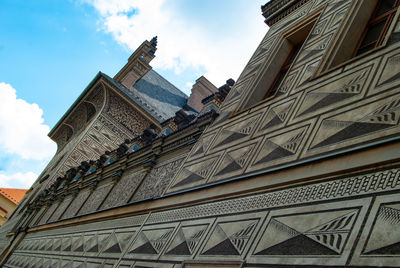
{"x":155,"y":95}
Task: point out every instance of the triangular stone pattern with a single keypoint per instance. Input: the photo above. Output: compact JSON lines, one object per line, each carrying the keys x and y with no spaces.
{"x":66,"y":244}
{"x":287,"y":235}
{"x":324,"y":97}
{"x":229,"y":238}
{"x":391,"y":72}
{"x":203,"y":145}
{"x":313,"y":50}
{"x":307,"y":74}
{"x":224,"y":114}
{"x":284,"y":145}
{"x":112,"y":245}
{"x":336,"y":4}
{"x":151,"y":242}
{"x":333,"y":234}
{"x":235,"y":160}
{"x":186,"y":240}
{"x":236,"y":132}
{"x":385,"y":235}
{"x":124,"y":239}
{"x":337,"y":19}
{"x":317,"y":30}
{"x":231,"y":136}
{"x":199,"y":150}
{"x":277,"y":29}
{"x":77,"y":244}
{"x":277,"y":115}
{"x":91,"y":244}
{"x":102,"y":240}
{"x":49,"y":245}
{"x":57,"y":244}
{"x":194,"y":173}
{"x":192,"y":177}
{"x":181,"y":249}
{"x":336,"y":130}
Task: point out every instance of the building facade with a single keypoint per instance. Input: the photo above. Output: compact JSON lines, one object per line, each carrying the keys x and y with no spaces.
{"x":299,"y":169}
{"x":9,"y":199}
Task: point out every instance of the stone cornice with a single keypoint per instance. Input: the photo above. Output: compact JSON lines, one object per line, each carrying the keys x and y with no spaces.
{"x":275,"y":10}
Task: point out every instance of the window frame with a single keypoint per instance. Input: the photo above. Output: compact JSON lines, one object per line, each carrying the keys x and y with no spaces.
{"x":270,"y":73}
{"x":386,"y":17}
{"x":348,"y":35}
{"x":280,"y":77}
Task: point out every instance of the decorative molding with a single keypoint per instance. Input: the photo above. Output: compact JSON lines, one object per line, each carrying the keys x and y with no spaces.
{"x":276,"y":10}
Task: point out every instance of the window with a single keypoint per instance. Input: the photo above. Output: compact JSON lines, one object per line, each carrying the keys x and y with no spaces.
{"x":283,"y":71}
{"x":278,"y":66}
{"x":366,"y":26}
{"x":377,"y":26}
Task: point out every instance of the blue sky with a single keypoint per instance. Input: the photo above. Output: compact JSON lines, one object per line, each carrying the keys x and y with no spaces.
{"x":51,"y":49}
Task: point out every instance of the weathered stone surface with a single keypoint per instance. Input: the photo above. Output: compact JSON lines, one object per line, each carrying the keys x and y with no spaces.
{"x":95,"y":199}
{"x":124,"y":189}
{"x":157,"y":181}
{"x":61,"y":208}
{"x":308,"y":177}
{"x":76,"y":204}
{"x":305,"y":224}
{"x":48,"y":213}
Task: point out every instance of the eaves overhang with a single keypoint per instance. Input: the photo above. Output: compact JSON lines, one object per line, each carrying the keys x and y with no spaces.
{"x":81,"y":96}
{"x":116,"y":87}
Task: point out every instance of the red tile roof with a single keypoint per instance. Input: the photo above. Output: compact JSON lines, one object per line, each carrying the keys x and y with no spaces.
{"x":14,"y":195}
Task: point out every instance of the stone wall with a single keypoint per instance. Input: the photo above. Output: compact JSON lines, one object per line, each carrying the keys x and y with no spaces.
{"x":134,"y":184}
{"x":306,"y":178}
{"x":343,"y":220}
{"x":311,"y":116}
{"x":97,"y":131}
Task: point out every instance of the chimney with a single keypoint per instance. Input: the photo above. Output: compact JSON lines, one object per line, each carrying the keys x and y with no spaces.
{"x":201,"y":89}
{"x":138,"y":64}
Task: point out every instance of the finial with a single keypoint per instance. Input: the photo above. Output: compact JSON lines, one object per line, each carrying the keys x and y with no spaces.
{"x":154,"y":41}
{"x":154,"y":45}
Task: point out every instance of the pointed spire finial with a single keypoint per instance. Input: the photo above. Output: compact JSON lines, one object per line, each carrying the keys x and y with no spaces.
{"x":154,"y":45}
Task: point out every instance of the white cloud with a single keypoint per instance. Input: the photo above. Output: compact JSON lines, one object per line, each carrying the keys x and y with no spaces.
{"x":189,"y":85}
{"x":182,"y":43}
{"x":18,"y":180}
{"x":22,"y":132}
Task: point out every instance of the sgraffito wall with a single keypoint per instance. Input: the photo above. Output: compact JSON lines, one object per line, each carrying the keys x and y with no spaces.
{"x":116,"y":121}
{"x":339,"y":221}
{"x":100,"y":123}
{"x":135,"y":184}
{"x":348,"y":216}
{"x":350,"y":107}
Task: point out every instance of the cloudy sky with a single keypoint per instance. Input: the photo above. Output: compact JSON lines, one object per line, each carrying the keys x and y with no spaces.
{"x":51,"y":49}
